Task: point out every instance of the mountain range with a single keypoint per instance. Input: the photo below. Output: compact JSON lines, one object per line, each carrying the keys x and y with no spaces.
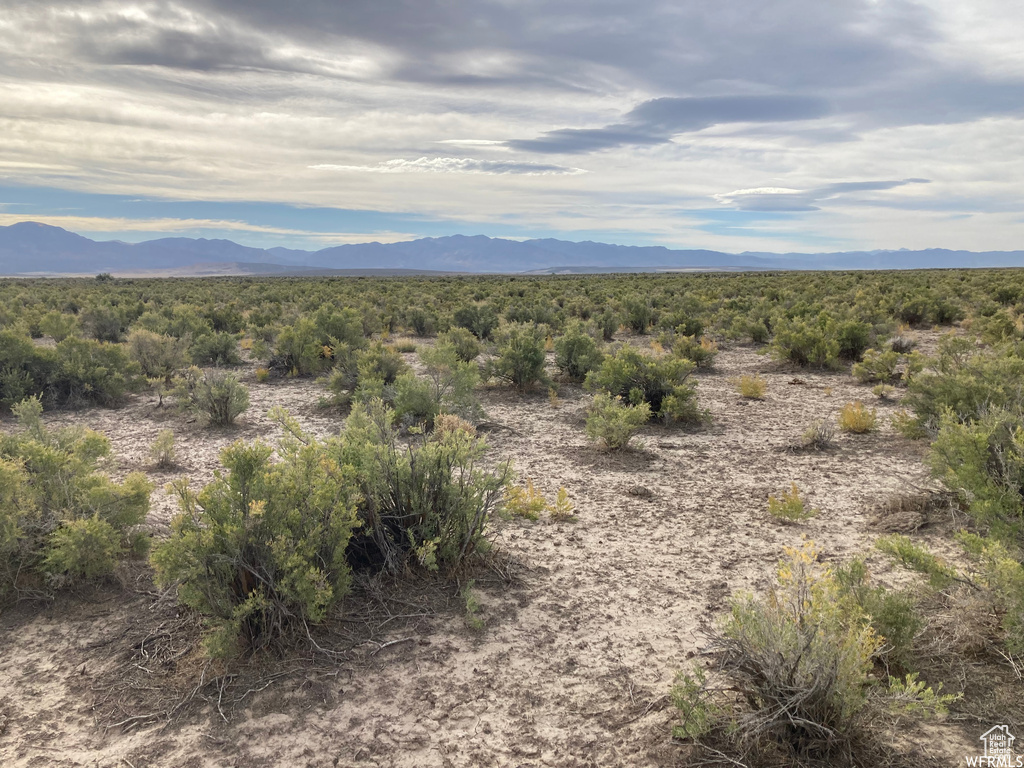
{"x":33,"y":249}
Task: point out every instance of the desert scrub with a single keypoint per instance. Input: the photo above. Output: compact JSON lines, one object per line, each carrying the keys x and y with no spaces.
{"x":262,"y":375}
{"x":917,"y":558}
{"x":577,"y":354}
{"x":520,"y":355}
{"x":856,"y":418}
{"x":162,"y":450}
{"x":465,"y":344}
{"x":660,"y":383}
{"x":216,"y":398}
{"x":479,"y":319}
{"x":884,"y":391}
{"x":60,"y":518}
{"x":794,"y":671}
{"x":448,"y":386}
{"x":983,"y":462}
{"x":808,"y":344}
{"x":893,"y":613}
{"x":428,"y":503}
{"x":877,"y":365}
{"x":789,"y":506}
{"x":524,"y":501}
{"x":405,"y":347}
{"x":613,"y":422}
{"x":159,"y":356}
{"x":363,"y":374}
{"x":216,"y":348}
{"x":261,"y":550}
{"x":751,"y":387}
{"x":562,"y":507}
{"x":967,"y":381}
{"x":702,"y":352}
{"x":471,"y":600}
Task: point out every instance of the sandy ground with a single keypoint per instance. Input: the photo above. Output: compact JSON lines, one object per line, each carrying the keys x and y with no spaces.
{"x":574,"y":663}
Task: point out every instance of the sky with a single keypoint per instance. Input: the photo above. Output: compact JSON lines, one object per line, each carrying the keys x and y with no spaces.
{"x":735,"y":125}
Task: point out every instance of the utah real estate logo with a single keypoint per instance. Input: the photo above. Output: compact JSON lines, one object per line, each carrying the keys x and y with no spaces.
{"x":998,"y":742}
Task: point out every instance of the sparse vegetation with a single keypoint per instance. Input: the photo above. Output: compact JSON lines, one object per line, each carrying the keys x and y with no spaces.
{"x":217,"y":398}
{"x":614,"y":422}
{"x":162,"y":450}
{"x":352,"y":543}
{"x":61,"y":519}
{"x":793,"y":678}
{"x":789,"y":506}
{"x":856,"y":418}
{"x":752,"y":387}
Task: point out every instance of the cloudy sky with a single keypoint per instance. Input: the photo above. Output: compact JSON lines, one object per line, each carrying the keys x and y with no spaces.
{"x":781,"y":125}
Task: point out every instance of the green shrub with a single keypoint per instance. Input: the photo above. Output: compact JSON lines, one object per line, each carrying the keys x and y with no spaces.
{"x":661,"y":383}
{"x":966,"y":382}
{"x":481,"y":319}
{"x":520,"y":356}
{"x":405,"y":347}
{"x":608,"y":322}
{"x":790,"y":507}
{"x":464,"y":342}
{"x":162,"y":450}
{"x":806,"y":343}
{"x":24,"y":370}
{"x":893,"y":614}
{"x":801,"y":658}
{"x":261,"y":550}
{"x":159,"y":356}
{"x":300,"y":349}
{"x":877,"y":365}
{"x":86,"y":371}
{"x":639,"y":315}
{"x":363,"y":374}
{"x":613,"y":422}
{"x":577,"y":354}
{"x":60,"y":519}
{"x":983,"y":461}
{"x":58,"y":325}
{"x":448,"y":386}
{"x":853,"y":337}
{"x":917,"y":558}
{"x":429,"y":503}
{"x":217,"y":348}
{"x":795,"y":675}
{"x":422,"y":323}
{"x":701,"y":352}
{"x":217,"y":398}
{"x":342,"y":326}
{"x":1000,"y":572}
{"x":104,"y":322}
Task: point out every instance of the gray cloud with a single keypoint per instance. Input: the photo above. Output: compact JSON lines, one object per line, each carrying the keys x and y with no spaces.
{"x":657,"y":120}
{"x":782,"y":200}
{"x":876,"y":61}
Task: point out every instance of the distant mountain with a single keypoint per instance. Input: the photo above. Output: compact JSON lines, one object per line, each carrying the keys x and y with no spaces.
{"x":30,"y":248}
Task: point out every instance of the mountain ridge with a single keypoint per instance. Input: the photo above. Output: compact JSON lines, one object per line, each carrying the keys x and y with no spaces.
{"x":31,"y":248}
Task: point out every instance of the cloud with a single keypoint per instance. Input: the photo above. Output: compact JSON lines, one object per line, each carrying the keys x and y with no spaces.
{"x":455,"y":165}
{"x":781,"y":199}
{"x":656,"y":121}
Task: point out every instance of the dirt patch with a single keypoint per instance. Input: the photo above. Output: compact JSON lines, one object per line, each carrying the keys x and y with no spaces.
{"x":573,"y":665}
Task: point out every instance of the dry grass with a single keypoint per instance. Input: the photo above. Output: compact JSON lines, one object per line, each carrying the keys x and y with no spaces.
{"x":856,"y":418}
{"x":752,"y":387}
